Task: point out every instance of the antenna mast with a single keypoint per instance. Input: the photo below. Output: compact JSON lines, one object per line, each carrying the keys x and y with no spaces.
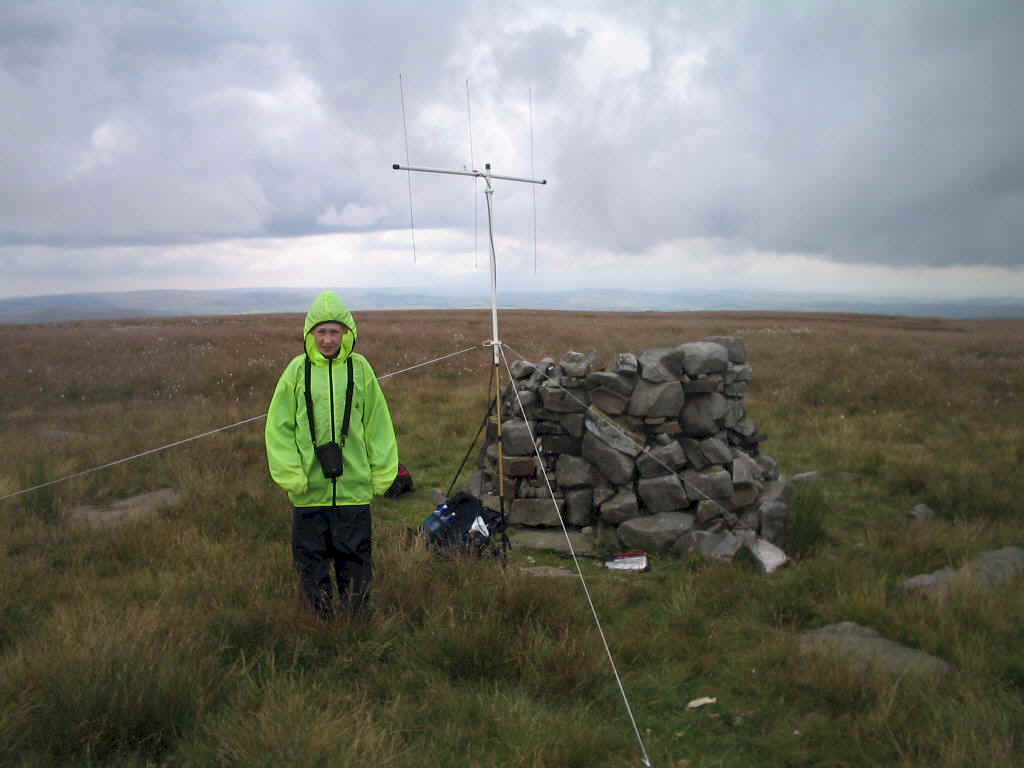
{"x":486,"y":175}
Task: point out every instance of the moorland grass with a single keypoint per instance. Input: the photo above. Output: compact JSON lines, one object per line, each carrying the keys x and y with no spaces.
{"x":179,"y":640}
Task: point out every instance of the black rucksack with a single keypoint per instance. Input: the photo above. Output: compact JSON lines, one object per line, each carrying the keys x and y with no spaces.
{"x":402,"y":483}
{"x":463,"y":525}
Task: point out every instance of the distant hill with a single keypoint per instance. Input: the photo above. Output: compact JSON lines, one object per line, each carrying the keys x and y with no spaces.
{"x":181,"y":303}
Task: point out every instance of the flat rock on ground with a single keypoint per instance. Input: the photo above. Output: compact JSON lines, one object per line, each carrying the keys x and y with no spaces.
{"x":863,"y":649}
{"x":139,"y":507}
{"x":530,"y":538}
{"x":989,"y":569}
{"x":549,"y":571}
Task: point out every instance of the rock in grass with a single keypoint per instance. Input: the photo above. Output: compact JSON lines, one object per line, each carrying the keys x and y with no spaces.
{"x":767,"y":555}
{"x":931,"y":584}
{"x":989,"y":569}
{"x":548,"y":571}
{"x":921,"y":512}
{"x":995,"y":568}
{"x":807,"y":478}
{"x":134,"y":508}
{"x":864,"y":650}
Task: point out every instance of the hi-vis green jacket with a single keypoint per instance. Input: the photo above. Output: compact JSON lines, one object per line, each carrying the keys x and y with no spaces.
{"x":370,"y":453}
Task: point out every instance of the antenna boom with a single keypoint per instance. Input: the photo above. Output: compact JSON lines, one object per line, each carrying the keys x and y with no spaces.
{"x":485,"y":174}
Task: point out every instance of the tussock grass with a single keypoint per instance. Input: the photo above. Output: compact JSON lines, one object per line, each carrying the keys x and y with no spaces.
{"x":179,"y":640}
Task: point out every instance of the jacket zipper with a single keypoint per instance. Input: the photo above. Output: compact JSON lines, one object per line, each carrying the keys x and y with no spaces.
{"x":330,"y":387}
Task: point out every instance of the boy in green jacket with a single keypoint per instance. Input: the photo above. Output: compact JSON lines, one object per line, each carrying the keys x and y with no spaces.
{"x":331,"y":446}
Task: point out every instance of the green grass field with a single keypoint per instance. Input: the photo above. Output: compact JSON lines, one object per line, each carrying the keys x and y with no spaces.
{"x":179,"y":640}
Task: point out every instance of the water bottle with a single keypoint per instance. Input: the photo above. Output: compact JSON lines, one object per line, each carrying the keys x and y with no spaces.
{"x":437,"y":521}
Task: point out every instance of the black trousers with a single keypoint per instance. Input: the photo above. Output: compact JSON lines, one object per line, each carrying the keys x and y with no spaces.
{"x":339,"y":535}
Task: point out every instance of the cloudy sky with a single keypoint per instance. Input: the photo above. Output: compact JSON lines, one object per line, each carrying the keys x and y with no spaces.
{"x":871,"y":146}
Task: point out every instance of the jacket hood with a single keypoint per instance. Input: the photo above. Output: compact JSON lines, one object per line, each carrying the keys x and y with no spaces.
{"x":327,"y":307}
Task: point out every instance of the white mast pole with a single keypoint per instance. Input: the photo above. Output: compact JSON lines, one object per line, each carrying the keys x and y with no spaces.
{"x":495,"y":339}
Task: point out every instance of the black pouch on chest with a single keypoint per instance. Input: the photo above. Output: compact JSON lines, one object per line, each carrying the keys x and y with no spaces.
{"x":330,"y":454}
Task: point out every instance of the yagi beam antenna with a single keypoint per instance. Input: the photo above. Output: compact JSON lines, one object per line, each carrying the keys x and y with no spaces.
{"x":486,"y":175}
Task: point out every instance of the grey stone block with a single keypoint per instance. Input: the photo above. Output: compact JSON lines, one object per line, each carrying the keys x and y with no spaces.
{"x":716,"y":451}
{"x":610,"y":402}
{"x":613,"y":433}
{"x":559,"y":399}
{"x":536,"y":512}
{"x":662,"y":494}
{"x":619,"y":508}
{"x":720,"y":545}
{"x":703,"y":415}
{"x":621,"y":384}
{"x":661,"y":365}
{"x":572,"y":423}
{"x":736,"y":349}
{"x":661,"y":460}
{"x":655,"y":533}
{"x":521,"y":369}
{"x":656,"y":399}
{"x":703,"y":385}
{"x":575,"y":364}
{"x":579,"y":507}
{"x":515,"y":438}
{"x":712,"y":483}
{"x":627,"y":363}
{"x":768,"y":465}
{"x":709,"y":509}
{"x":613,"y":465}
{"x":556,"y":444}
{"x":572,"y":471}
{"x":703,"y":357}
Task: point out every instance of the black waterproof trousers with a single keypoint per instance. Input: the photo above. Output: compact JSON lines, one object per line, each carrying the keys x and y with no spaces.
{"x":338,"y":535}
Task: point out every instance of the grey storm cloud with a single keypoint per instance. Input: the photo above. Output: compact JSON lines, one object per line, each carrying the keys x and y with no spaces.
{"x":861,"y":132}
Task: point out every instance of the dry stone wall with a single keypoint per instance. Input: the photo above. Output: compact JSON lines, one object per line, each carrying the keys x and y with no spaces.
{"x":656,"y":452}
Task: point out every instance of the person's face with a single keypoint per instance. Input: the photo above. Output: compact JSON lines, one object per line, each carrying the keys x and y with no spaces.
{"x":328,"y":338}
